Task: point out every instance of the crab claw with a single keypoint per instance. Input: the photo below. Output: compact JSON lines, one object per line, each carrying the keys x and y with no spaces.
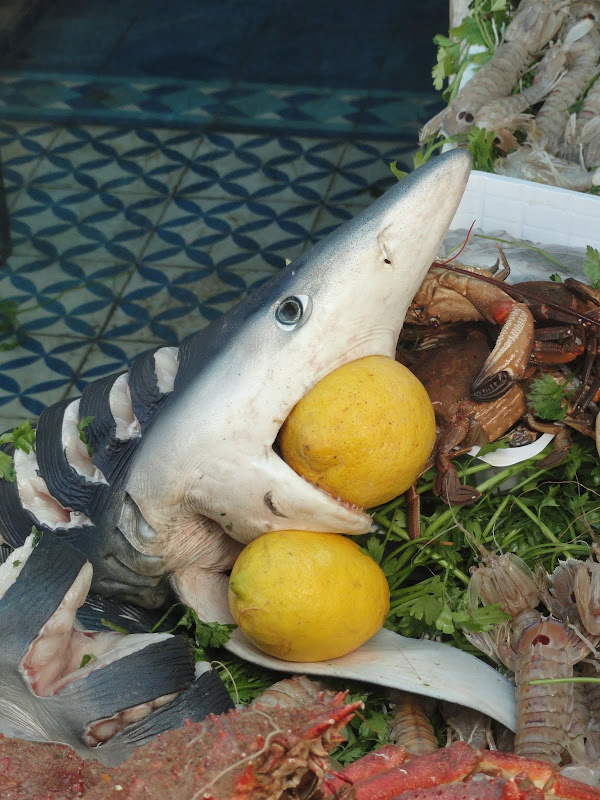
{"x":509,"y":358}
{"x":86,"y":689}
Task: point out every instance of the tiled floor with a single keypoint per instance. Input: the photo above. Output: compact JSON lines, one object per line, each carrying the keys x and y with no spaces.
{"x":142,"y":207}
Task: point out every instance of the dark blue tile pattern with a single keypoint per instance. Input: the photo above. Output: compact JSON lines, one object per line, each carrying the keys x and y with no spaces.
{"x":129,"y":237}
{"x":205,"y":106}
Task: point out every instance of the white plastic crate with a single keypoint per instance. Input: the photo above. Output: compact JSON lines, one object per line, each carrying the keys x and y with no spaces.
{"x":545,"y":215}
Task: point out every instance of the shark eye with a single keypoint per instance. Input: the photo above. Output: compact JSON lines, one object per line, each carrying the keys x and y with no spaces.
{"x":292,"y":311}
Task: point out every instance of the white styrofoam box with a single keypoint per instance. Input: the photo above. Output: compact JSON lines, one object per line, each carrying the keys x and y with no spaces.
{"x":530,"y":211}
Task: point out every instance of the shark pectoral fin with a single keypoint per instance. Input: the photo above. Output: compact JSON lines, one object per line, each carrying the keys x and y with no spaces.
{"x":205,"y":590}
{"x":421,"y":666}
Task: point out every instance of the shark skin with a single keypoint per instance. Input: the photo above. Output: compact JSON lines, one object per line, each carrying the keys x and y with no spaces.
{"x":206,"y":479}
{"x":354,"y":289}
{"x":179,"y":472}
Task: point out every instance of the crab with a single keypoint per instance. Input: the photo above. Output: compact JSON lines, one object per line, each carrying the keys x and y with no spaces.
{"x":270,"y":752}
{"x":462,"y":422}
{"x":478,"y":395}
{"x":456,"y":293}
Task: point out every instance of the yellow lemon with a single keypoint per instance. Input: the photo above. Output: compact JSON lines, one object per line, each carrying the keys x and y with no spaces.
{"x":304,"y":596}
{"x":363,"y":433}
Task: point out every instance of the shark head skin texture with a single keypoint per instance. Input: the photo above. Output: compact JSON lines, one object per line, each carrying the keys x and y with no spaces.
{"x":179,"y":470}
{"x":210,"y":454}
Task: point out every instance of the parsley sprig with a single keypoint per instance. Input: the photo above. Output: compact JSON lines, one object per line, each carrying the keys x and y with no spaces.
{"x":22,"y":438}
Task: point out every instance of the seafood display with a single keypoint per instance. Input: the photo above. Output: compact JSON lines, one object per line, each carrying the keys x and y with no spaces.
{"x":159,"y":475}
{"x":537,"y":93}
{"x":481,"y":394}
{"x":116,"y":492}
{"x":266,"y":752}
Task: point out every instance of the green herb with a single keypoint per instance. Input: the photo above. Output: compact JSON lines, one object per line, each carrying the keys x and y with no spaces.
{"x":244,"y":681}
{"x":492,"y":447}
{"x":578,"y":105}
{"x":591,"y":266}
{"x":7,"y":467}
{"x":114,"y":627}
{"x":205,"y":634}
{"x":81,"y":426}
{"x":398,"y":173}
{"x":481,"y":146}
{"x":556,"y":278}
{"x":86,"y":660}
{"x":548,"y":398}
{"x":37,"y":535}
{"x":478,"y":141}
{"x":455,"y":53}
{"x":17,"y":563}
{"x":22,"y":438}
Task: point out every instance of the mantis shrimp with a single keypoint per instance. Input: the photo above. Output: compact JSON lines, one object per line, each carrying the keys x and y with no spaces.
{"x":534,"y":24}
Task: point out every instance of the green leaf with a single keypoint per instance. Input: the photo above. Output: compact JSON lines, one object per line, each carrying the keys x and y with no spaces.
{"x":468,"y":31}
{"x":37,"y":535}
{"x":16,"y":563}
{"x":112,"y":626}
{"x":427,"y":608}
{"x":491,"y":447}
{"x":548,"y":398}
{"x":374,"y":548}
{"x":205,"y":634}
{"x":22,"y":437}
{"x":556,"y":278}
{"x":7,"y":467}
{"x":398,"y":173}
{"x":484,"y":618}
{"x":444,"y":621}
{"x":87,"y":657}
{"x":481,"y":147}
{"x":81,"y":426}
{"x":591,"y":266}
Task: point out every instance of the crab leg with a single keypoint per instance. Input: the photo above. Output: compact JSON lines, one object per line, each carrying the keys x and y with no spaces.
{"x":447,"y":765}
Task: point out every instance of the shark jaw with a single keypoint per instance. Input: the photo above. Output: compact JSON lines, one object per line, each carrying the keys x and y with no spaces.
{"x":209,"y":456}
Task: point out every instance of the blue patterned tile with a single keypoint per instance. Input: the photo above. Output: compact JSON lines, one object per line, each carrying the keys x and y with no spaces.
{"x":38,"y":373}
{"x":81,"y":224}
{"x":309,"y":110}
{"x":205,"y":105}
{"x":88,"y":99}
{"x":166,"y":304}
{"x":101,"y":159}
{"x":203,"y":232}
{"x":244,"y":166}
{"x":365,"y":170}
{"x":61,"y":297}
{"x":22,"y":145}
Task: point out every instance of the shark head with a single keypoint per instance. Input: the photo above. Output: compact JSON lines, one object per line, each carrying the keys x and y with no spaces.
{"x":209,"y":454}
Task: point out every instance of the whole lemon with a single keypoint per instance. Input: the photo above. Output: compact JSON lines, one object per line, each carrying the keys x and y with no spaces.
{"x":363,"y":433}
{"x":304,"y":596}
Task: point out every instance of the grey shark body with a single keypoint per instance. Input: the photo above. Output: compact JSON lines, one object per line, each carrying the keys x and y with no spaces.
{"x":179,"y":471}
